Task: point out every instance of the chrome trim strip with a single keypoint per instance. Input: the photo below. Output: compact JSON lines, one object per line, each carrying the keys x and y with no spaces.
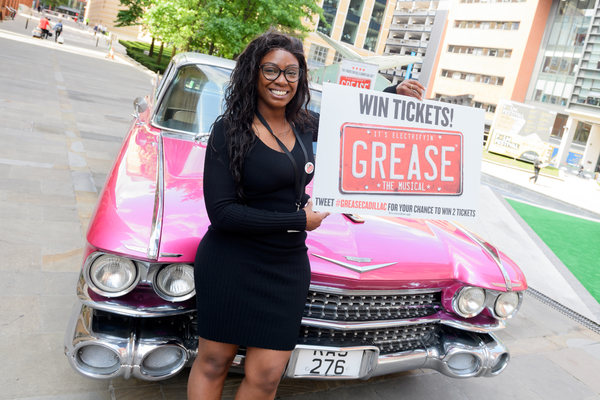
{"x":172,"y":255}
{"x":157,"y":216}
{"x":383,"y":292}
{"x":486,"y":328}
{"x":492,"y":251}
{"x":351,"y":326}
{"x":352,"y":267}
{"x":143,"y":250}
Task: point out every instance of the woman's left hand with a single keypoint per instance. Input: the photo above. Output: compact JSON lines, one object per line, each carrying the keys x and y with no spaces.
{"x":313,"y":218}
{"x":411,"y":88}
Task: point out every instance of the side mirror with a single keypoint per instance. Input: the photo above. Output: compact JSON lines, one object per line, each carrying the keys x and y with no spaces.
{"x":140,"y":105}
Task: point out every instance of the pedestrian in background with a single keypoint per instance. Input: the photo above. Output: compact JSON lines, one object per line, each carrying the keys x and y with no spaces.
{"x":44,"y":27}
{"x":57,"y":29}
{"x":536,"y":170}
{"x":252,"y":271}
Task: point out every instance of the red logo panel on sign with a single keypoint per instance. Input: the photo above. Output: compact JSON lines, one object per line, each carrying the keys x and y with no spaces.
{"x":393,"y":160}
{"x":355,"y":82}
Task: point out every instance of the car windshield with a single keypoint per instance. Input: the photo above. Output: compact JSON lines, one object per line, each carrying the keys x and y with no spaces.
{"x":194,"y":99}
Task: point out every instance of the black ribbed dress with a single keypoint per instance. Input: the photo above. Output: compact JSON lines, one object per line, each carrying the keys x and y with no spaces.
{"x":251,"y":274}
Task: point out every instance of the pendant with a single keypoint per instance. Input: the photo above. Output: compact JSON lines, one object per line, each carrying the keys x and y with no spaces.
{"x":309,"y":168}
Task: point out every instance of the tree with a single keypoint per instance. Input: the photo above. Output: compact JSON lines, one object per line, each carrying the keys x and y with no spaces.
{"x":132,"y":15}
{"x":225,"y":27}
{"x":133,"y":12}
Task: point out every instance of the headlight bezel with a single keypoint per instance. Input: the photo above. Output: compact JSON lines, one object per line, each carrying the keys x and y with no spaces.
{"x":492,"y":305}
{"x":162,"y":293}
{"x":491,"y":298}
{"x":460,"y":293}
{"x":93,"y":258}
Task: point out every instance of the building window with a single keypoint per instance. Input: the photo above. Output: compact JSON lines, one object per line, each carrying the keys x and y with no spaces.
{"x":559,"y":124}
{"x":582,"y":133}
{"x":504,"y":25}
{"x":492,"y":1}
{"x":480,"y":51}
{"x":469,"y":77}
{"x":337,"y":58}
{"x":317,"y":56}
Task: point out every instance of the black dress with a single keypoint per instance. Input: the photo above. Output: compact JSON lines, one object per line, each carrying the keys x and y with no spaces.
{"x":252,"y":275}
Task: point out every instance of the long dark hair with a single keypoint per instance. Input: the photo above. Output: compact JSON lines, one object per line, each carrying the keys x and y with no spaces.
{"x":241,"y":98}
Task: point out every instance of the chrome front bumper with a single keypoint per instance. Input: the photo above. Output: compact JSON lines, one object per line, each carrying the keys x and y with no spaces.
{"x":158,"y":348}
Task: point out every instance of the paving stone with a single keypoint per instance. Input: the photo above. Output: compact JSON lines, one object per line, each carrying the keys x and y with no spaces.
{"x":38,"y":368}
{"x":593,"y":350}
{"x":57,"y":188}
{"x":546,"y":379}
{"x":20,"y":315}
{"x":175,"y":392}
{"x":563,"y":340}
{"x":51,"y":233}
{"x":152,"y":392}
{"x":56,"y":310}
{"x":104,"y":395}
{"x":60,"y":213}
{"x":83,"y":181}
{"x":580,"y":364}
{"x":20,"y":257}
{"x":25,"y":186}
{"x":501,"y":387}
{"x":19,"y":210}
{"x":39,"y":174}
{"x":38,"y":198}
{"x":62,"y":258}
{"x":17,"y":283}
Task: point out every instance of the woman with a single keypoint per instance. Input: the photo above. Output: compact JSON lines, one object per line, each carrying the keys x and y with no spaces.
{"x":252,"y":271}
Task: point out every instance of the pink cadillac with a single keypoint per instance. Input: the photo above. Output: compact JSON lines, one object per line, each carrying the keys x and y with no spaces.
{"x":387,"y":294}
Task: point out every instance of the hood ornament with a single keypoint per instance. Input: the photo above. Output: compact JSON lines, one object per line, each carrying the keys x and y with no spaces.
{"x":353,"y":267}
{"x":358,"y":259}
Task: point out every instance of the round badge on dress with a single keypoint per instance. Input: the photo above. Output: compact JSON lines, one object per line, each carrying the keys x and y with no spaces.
{"x":309,"y":168}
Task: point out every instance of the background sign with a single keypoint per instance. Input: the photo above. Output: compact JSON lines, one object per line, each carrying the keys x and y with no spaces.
{"x":521,"y":131}
{"x":390,"y":155}
{"x":357,"y":74}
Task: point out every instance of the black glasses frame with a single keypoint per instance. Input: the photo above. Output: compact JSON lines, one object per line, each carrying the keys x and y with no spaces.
{"x":300,"y":72}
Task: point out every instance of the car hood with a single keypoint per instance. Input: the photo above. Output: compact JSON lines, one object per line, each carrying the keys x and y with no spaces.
{"x":381,"y":253}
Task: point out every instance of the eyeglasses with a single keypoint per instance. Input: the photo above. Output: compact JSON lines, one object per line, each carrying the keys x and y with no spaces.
{"x":272,"y":72}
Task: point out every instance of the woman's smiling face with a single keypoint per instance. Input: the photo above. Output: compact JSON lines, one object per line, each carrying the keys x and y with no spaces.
{"x":278,"y":93}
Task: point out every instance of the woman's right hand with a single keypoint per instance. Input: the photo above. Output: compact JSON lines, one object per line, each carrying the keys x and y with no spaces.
{"x":313,"y":218}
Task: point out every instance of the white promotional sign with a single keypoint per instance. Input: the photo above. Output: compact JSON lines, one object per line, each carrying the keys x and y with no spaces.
{"x":357,"y":74}
{"x":390,"y":155}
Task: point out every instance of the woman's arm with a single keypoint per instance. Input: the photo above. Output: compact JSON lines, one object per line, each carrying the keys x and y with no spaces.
{"x":220,"y":195}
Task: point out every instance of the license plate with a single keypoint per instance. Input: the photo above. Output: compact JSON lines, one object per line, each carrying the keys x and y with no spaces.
{"x":393,"y":160}
{"x":329,"y":363}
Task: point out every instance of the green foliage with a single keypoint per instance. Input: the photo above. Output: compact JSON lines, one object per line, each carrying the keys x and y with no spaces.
{"x":136,"y":50}
{"x":55,"y":3}
{"x":523,"y":165}
{"x":225,"y":27}
{"x":133,"y":13}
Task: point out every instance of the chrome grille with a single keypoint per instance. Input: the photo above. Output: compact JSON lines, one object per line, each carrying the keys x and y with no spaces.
{"x":353,"y":307}
{"x":388,"y":339}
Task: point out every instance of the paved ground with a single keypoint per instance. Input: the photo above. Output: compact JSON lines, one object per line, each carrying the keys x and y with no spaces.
{"x":63,"y":112}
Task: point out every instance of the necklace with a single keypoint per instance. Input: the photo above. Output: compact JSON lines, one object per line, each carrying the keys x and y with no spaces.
{"x":282,"y":135}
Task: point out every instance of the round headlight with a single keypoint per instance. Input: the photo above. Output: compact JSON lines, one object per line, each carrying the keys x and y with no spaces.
{"x":470,"y":302}
{"x":113,"y":274}
{"x":506,"y":304}
{"x":176,"y":280}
